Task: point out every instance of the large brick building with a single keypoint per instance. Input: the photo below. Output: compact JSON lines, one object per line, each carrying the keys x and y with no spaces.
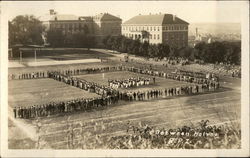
{"x":157,"y":28}
{"x":100,"y":25}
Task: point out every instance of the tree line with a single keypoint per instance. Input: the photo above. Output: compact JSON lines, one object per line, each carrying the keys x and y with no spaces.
{"x":215,"y":52}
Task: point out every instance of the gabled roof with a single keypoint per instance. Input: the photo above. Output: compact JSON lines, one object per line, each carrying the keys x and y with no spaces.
{"x":156,"y":19}
{"x":106,"y":17}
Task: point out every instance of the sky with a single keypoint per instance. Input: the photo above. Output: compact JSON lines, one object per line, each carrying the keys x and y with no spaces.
{"x":190,"y":11}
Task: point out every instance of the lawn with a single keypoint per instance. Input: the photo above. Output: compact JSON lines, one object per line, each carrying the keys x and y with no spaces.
{"x":41,"y":91}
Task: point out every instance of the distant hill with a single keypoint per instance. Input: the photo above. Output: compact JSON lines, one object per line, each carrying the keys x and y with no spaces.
{"x":215,"y":28}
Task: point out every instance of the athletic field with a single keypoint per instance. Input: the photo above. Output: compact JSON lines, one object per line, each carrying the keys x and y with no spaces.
{"x":42,"y":91}
{"x":219,"y":107}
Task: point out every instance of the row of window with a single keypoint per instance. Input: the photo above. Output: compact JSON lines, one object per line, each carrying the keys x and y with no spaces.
{"x":70,"y":29}
{"x":154,"y":28}
{"x":69,"y":25}
{"x":154,"y":36}
{"x":157,"y":36}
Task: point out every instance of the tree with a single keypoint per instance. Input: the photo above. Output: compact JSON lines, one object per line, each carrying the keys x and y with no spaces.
{"x":55,"y":37}
{"x":135,"y":47}
{"x":143,"y":50}
{"x":86,"y":29}
{"x":90,"y":42}
{"x":26,"y":30}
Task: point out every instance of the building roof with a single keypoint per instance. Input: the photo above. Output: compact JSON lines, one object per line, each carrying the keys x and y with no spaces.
{"x":155,"y":19}
{"x":59,"y":17}
{"x":68,"y":17}
{"x":86,"y":18}
{"x":106,"y":17}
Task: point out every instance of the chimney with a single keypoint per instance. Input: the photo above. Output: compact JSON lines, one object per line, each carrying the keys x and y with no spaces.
{"x":174,"y":17}
{"x":196,"y":32}
{"x":51,"y":11}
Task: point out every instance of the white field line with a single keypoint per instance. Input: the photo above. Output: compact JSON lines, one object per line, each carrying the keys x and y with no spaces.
{"x":55,"y":62}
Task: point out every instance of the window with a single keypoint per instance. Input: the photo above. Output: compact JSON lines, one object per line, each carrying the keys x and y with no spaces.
{"x":158,"y":28}
{"x":154,"y":36}
{"x":158,"y":36}
{"x":154,"y":29}
{"x":150,"y":36}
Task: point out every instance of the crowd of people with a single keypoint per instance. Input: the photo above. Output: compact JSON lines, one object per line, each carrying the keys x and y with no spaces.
{"x":111,"y":94}
{"x":131,"y":82}
{"x":191,"y":78}
{"x":30,"y":75}
{"x":64,"y":107}
{"x":72,"y":72}
{"x":83,"y":84}
{"x":202,"y":137}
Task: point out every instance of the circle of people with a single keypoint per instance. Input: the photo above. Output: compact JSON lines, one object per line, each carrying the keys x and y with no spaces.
{"x":109,"y":95}
{"x":131,"y":82}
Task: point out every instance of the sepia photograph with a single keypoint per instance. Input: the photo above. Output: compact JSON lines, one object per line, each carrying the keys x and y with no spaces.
{"x":112,"y":76}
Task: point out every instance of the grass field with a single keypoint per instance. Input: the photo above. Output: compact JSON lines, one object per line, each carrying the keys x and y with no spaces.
{"x":41,"y":91}
{"x":102,"y":78}
{"x":60,"y":54}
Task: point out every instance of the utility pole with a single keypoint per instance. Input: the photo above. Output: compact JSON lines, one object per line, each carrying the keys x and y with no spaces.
{"x":20,"y":56}
{"x":35,"y":55}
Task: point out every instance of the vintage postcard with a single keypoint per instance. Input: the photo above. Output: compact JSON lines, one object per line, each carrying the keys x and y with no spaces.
{"x":124,"y":78}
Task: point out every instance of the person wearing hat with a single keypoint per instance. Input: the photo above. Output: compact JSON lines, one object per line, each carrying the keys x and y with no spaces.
{"x":15,"y":112}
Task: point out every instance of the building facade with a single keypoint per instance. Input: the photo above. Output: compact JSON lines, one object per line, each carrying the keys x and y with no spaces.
{"x":158,"y":28}
{"x":101,"y":25}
